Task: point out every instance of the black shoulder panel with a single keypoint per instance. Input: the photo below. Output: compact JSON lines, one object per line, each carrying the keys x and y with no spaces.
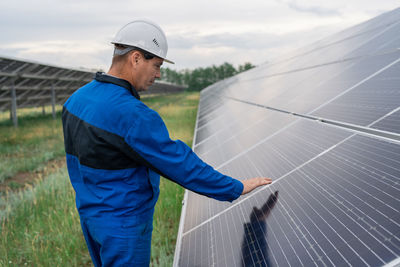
{"x":98,"y":148}
{"x":95,"y":147}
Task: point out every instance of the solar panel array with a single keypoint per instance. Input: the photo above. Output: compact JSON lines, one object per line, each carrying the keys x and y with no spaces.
{"x":324,"y":123}
{"x":31,"y":84}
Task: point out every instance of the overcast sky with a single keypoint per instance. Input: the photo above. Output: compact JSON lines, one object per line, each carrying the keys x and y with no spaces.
{"x":73,"y":33}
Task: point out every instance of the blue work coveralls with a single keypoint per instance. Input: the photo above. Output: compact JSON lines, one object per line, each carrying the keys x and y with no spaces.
{"x":116,"y":150}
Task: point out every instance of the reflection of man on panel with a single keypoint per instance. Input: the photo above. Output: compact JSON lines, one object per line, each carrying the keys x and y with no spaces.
{"x":254,"y":245}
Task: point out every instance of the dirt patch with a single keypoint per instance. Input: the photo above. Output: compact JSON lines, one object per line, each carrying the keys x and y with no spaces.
{"x":22,"y":179}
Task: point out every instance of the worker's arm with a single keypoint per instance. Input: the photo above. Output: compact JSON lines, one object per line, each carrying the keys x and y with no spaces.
{"x":152,"y":147}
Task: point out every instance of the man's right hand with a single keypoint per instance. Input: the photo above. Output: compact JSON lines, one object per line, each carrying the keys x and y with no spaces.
{"x":251,"y":184}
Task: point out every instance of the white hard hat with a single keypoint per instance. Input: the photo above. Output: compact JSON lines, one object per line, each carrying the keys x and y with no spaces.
{"x":143,"y":34}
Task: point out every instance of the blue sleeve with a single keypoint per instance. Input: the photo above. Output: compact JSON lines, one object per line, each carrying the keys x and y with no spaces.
{"x":173,"y":159}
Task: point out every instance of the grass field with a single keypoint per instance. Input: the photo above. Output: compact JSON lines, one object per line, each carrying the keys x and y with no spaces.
{"x":39,"y":224}
{"x":37,"y":140}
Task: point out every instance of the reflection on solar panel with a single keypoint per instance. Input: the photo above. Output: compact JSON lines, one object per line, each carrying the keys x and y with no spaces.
{"x":324,"y":123}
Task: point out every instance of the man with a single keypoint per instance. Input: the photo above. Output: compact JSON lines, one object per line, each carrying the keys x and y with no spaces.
{"x":117,"y":148}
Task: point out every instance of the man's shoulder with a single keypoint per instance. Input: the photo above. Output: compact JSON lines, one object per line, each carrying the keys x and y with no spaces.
{"x":107,"y":106}
{"x":105,"y":96}
{"x":146,"y":112}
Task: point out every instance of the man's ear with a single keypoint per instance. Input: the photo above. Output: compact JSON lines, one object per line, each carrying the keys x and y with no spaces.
{"x":135,"y":58}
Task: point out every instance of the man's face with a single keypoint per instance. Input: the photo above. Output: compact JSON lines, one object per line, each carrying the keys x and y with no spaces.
{"x":148,"y":71}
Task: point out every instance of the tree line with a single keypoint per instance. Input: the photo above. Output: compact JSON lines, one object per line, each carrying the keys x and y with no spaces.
{"x":200,"y":78}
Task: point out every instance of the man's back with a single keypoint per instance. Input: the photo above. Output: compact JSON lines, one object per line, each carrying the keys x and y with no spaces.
{"x":107,"y":178}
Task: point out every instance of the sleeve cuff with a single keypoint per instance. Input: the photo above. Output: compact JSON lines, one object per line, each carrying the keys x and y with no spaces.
{"x":237,"y":190}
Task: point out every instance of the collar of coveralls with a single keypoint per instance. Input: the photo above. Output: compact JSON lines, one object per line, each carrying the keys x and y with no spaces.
{"x":105,"y":78}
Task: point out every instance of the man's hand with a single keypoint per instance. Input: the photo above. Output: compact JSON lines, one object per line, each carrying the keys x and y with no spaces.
{"x":251,"y":184}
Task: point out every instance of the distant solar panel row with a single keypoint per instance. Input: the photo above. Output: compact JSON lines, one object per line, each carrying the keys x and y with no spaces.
{"x":335,"y":199}
{"x":30,"y":84}
{"x":33,"y":83}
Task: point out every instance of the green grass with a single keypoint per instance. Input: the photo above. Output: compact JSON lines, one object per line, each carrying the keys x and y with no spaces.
{"x":37,"y":140}
{"x":40,"y":225}
{"x":27,"y":112}
{"x":179,"y":114}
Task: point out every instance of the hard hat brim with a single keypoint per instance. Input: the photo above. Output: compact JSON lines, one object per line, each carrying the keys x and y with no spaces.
{"x":168,"y":61}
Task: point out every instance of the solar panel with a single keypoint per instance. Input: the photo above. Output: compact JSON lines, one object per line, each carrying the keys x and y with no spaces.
{"x":367,"y":101}
{"x":340,"y":208}
{"x":390,"y":123}
{"x":324,"y":124}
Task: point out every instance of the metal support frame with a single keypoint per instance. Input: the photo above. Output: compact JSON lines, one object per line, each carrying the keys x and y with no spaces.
{"x":53,"y":100}
{"x":13,"y":109}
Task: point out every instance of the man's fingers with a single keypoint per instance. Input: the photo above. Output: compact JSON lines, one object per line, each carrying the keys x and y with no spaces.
{"x":265,"y":181}
{"x":251,"y":184}
{"x":262,"y":181}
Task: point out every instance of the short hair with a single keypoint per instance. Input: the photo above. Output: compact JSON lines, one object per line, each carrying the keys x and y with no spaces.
{"x":119,"y":58}
{"x":121,"y":52}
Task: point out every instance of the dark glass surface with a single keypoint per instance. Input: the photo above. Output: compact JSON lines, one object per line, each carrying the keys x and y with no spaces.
{"x":329,"y":212}
{"x":385,"y":40}
{"x":307,"y":90}
{"x":239,"y":134}
{"x":274,"y":157}
{"x":234,"y":117}
{"x":367,"y":102}
{"x":331,"y":81}
{"x":390,"y":123}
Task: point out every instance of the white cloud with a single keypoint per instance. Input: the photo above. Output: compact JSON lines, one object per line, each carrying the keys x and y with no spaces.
{"x":312,"y":8}
{"x":201,"y":33}
{"x":72,"y":54}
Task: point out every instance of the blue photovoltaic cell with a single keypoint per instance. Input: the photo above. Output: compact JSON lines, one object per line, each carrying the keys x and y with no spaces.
{"x":342,"y":208}
{"x":230,"y":141}
{"x":390,"y":123}
{"x":368,"y":102}
{"x":234,"y":114}
{"x":335,"y":199}
{"x":386,"y":40}
{"x":307,"y":90}
{"x":276,"y":155}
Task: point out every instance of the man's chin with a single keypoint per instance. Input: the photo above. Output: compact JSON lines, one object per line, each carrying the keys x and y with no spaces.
{"x":143,"y":89}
